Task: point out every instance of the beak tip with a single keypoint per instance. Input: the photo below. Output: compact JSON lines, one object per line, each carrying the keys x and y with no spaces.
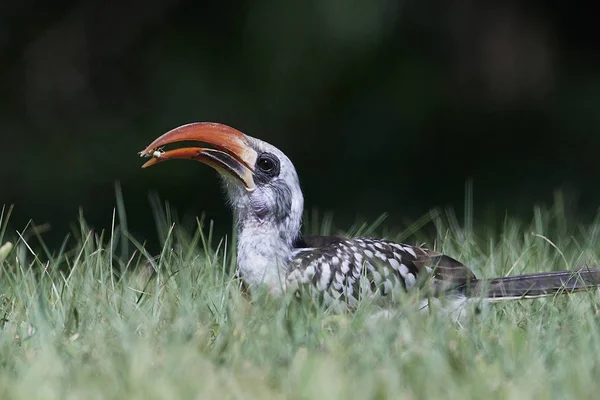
{"x":154,"y":154}
{"x":150,"y":163}
{"x":146,"y":152}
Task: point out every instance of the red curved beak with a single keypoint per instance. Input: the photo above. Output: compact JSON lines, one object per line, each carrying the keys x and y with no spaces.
{"x":231,"y":155}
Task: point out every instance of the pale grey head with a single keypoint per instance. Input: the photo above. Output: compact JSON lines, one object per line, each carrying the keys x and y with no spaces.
{"x":276,"y":198}
{"x":262,"y":188}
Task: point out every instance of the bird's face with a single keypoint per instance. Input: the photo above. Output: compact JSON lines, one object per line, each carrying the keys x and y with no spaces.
{"x":260,"y":180}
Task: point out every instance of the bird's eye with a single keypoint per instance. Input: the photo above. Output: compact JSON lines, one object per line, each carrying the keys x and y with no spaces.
{"x":268,"y":165}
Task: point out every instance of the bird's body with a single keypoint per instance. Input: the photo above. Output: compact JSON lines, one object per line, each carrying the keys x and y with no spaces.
{"x":348,"y":270}
{"x":263,"y":190}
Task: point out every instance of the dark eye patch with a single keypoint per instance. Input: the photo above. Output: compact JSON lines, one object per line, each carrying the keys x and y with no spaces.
{"x":267,"y":167}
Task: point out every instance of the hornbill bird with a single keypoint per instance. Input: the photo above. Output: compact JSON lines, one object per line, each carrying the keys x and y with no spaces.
{"x":263,"y":189}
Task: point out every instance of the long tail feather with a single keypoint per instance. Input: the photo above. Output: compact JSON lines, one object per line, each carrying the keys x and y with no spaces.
{"x":533,"y":285}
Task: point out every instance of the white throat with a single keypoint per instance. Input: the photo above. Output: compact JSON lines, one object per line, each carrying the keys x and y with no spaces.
{"x":265,"y":241}
{"x":263,"y":255}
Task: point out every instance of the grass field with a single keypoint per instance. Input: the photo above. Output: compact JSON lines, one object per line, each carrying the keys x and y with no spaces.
{"x":81,"y":322}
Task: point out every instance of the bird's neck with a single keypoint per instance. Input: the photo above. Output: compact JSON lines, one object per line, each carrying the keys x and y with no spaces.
{"x":264,"y":251}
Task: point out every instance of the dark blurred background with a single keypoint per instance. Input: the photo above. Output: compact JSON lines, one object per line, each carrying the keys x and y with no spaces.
{"x":383,"y":106}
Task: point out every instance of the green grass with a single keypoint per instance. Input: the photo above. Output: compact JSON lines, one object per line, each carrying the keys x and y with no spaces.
{"x":86,"y":322}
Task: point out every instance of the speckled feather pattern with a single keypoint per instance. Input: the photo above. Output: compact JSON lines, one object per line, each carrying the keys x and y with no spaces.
{"x":347,"y":270}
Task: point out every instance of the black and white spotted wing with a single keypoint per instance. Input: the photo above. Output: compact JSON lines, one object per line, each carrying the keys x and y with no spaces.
{"x":348,"y":269}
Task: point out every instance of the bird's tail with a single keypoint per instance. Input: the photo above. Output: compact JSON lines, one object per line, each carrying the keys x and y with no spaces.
{"x":532,"y":285}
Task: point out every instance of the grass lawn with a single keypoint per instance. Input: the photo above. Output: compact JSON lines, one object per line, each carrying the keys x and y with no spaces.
{"x":81,"y":322}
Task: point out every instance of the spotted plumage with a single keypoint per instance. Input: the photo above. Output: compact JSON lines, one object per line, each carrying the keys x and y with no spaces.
{"x":351,"y":269}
